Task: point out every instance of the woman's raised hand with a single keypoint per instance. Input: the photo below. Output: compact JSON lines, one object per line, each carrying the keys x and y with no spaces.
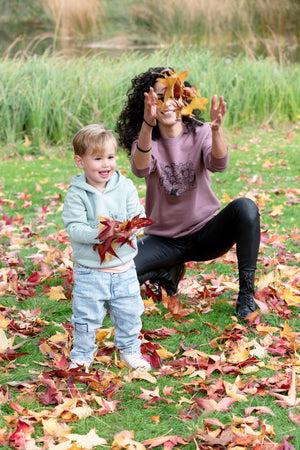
{"x":150,"y":107}
{"x":217,"y":113}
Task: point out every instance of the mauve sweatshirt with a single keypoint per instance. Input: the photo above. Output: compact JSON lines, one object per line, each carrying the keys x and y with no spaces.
{"x":179,"y":197}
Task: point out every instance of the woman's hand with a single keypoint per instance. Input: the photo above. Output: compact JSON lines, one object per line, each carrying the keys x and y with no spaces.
{"x":150,"y":107}
{"x":217,"y":113}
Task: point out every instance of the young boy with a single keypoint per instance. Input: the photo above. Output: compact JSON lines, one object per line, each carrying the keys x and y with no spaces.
{"x":110,"y":286}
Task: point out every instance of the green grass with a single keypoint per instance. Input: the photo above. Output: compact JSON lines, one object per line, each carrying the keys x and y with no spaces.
{"x":263,"y":165}
{"x":48,"y":99}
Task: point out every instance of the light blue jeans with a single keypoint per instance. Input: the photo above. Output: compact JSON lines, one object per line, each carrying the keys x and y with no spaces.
{"x":97,"y":293}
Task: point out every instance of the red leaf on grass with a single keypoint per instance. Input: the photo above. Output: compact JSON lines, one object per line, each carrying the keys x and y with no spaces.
{"x":21,"y":437}
{"x":149,"y":352}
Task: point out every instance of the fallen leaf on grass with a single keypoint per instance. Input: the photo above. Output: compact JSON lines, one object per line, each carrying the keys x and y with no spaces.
{"x":211,"y":405}
{"x":259,"y":410}
{"x":5,"y":343}
{"x":167,"y":441}
{"x":54,"y":428}
{"x":106,"y":406}
{"x":57,"y":293}
{"x":140,"y":374}
{"x":125,"y":440}
{"x":233,"y":391}
{"x":88,"y":441}
{"x":155,"y":419}
{"x":21,"y":437}
{"x":290,"y":399}
{"x":176,"y":308}
{"x":295,"y":418}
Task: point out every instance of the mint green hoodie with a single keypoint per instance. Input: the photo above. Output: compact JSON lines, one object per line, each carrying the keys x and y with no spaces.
{"x":83,"y":204}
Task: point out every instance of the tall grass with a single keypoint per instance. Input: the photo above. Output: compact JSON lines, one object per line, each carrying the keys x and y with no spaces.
{"x":48,"y":98}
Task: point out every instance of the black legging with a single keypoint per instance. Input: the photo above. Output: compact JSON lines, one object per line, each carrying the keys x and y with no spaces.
{"x":238,"y":222}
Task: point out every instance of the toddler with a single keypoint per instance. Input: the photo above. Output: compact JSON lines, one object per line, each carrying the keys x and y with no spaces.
{"x":111,"y":286}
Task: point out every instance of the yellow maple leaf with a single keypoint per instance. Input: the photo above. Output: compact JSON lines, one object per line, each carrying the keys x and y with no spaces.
{"x":59,"y":337}
{"x":287,"y":332}
{"x":290,"y":298}
{"x":226,"y":197}
{"x":57,"y":293}
{"x":164,"y":353}
{"x":102,"y":333}
{"x":80,"y":412}
{"x":4,"y":322}
{"x":52,"y":427}
{"x":276,"y":211}
{"x":5,"y":343}
{"x":240,"y":352}
{"x":265,"y":280}
{"x":264,"y":329}
{"x":233,"y":391}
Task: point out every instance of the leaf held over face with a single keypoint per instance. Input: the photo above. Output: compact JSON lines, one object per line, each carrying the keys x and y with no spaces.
{"x":186,"y":98}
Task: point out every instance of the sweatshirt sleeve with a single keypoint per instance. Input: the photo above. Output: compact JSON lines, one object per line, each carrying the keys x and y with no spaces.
{"x":142,"y":173}
{"x":133,"y":204}
{"x":212,"y":163}
{"x":75,"y":219}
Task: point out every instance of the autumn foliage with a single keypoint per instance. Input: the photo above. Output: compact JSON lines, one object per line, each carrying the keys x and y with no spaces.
{"x":114,"y":233}
{"x":216,"y":383}
{"x":186,"y":98}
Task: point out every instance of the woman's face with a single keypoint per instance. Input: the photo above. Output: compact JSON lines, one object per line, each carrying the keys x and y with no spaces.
{"x":168,"y":115}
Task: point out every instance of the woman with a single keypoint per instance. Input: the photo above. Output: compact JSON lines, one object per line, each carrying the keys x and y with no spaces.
{"x":174,"y":151}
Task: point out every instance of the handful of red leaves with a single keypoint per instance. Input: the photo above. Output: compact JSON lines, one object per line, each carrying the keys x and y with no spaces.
{"x":114,"y":233}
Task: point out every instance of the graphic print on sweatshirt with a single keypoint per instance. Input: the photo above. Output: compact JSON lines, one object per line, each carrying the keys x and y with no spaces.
{"x":175,"y":179}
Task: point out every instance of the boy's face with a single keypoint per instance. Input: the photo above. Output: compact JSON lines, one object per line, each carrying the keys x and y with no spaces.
{"x":98,"y":165}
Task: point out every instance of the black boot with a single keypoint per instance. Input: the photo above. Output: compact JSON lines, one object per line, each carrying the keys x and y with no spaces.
{"x":245,"y":304}
{"x":169,"y":277}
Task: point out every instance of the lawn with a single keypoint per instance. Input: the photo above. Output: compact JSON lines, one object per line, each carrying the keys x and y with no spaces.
{"x":216,"y":382}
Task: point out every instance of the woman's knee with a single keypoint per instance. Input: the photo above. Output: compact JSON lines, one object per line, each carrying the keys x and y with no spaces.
{"x":247,"y":209}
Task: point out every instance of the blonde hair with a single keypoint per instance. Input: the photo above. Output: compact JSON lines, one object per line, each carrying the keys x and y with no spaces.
{"x":92,"y":137}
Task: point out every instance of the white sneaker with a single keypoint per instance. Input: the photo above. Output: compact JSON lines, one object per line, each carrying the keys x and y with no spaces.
{"x":135,"y":360}
{"x":83,"y":364}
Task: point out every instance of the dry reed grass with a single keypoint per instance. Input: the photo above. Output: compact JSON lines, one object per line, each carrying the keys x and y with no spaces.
{"x":268,"y":26}
{"x":75,"y":19}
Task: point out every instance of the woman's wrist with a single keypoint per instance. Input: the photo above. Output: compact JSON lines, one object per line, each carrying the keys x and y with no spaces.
{"x":148,"y":123}
{"x":215,"y":127}
{"x":143,"y":151}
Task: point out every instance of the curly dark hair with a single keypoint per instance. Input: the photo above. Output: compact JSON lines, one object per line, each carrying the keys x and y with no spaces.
{"x":131,"y":118}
